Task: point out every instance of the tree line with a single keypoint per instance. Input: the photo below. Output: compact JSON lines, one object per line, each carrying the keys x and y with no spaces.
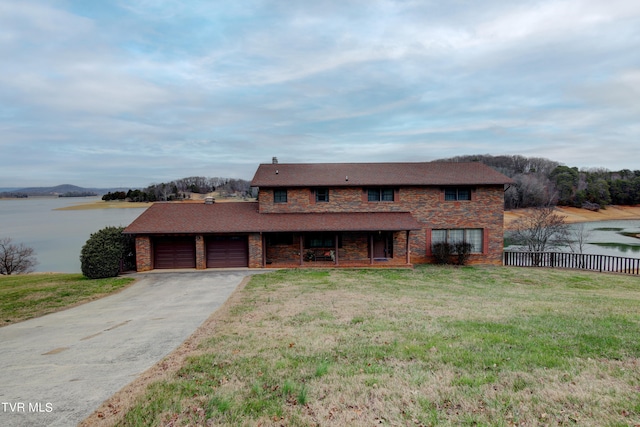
{"x":538,"y":182}
{"x":182,"y":189}
{"x":544,"y":182}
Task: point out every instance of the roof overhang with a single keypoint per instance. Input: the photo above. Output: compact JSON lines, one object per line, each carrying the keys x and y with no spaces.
{"x":190,"y":218}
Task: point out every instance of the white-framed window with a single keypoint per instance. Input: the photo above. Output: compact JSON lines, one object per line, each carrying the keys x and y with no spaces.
{"x":473,"y":236}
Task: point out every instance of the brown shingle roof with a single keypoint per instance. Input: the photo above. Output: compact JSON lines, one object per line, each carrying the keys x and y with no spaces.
{"x":190,"y":218}
{"x":379,"y":174}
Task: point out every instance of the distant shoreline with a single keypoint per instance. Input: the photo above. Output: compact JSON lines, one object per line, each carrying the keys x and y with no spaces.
{"x":121,"y":204}
{"x":101,"y":204}
{"x":577,"y":215}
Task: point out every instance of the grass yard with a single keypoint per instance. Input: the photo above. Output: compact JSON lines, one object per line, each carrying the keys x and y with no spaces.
{"x":474,"y":346}
{"x":26,"y":296}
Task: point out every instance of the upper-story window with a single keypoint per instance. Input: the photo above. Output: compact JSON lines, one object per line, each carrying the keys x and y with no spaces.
{"x":457,"y":193}
{"x":279,"y":196}
{"x":322,"y":194}
{"x":380,"y":194}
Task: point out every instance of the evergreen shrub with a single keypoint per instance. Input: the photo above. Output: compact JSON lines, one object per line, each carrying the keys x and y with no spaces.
{"x":106,"y":252}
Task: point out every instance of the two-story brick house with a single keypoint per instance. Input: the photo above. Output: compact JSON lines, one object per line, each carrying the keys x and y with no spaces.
{"x":332,"y":214}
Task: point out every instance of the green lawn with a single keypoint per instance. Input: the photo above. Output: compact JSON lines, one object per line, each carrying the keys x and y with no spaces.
{"x":31,"y":295}
{"x":431,"y":346}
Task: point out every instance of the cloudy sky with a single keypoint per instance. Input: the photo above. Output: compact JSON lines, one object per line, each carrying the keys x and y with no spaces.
{"x":133,"y":92}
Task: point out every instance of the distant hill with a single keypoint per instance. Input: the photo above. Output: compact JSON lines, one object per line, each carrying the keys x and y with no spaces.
{"x":63,"y":190}
{"x":58,"y":189}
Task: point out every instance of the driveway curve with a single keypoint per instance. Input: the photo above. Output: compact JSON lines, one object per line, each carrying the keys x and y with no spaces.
{"x":57,"y":369}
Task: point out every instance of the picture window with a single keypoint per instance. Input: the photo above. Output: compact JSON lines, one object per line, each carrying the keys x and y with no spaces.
{"x":474,"y":236}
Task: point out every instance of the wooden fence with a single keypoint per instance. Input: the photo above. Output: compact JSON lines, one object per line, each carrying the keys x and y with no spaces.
{"x":591,"y":262}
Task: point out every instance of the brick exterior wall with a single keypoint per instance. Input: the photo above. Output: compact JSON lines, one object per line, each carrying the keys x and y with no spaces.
{"x":289,"y":253}
{"x":255,"y":250}
{"x":201,"y":253}
{"x":355,"y":247}
{"x":485,"y":210}
{"x":427,"y":205}
{"x":144,"y":261}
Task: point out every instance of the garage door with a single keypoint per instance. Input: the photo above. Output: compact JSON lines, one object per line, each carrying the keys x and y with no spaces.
{"x":175,"y":253}
{"x":227,"y":251}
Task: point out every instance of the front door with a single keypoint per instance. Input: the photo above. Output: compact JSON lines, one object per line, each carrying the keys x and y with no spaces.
{"x":380,"y":248}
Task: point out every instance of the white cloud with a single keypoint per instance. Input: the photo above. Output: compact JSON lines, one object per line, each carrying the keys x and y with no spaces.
{"x":202,"y":86}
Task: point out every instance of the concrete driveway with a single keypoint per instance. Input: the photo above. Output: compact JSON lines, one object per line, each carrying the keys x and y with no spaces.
{"x":57,"y":369}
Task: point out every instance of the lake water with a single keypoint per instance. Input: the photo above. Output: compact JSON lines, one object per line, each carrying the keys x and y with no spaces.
{"x":607,"y":238}
{"x":57,"y":236}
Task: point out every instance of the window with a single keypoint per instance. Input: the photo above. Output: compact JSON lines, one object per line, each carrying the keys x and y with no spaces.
{"x":457,"y":193}
{"x":380,"y":194}
{"x":456,"y":235}
{"x":322,"y":194}
{"x":280,"y":239}
{"x":321,"y":240}
{"x":280,"y":196}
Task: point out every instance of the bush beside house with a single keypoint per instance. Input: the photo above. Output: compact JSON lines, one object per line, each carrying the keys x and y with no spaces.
{"x":106,"y":253}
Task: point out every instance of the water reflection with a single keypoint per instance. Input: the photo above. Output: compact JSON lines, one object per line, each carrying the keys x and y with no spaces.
{"x":57,"y":236}
{"x":622,"y":247}
{"x":614,"y":238}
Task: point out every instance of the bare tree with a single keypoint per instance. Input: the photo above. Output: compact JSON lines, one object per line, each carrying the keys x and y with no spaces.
{"x":542,"y":230}
{"x":15,"y":258}
{"x":578,"y":236}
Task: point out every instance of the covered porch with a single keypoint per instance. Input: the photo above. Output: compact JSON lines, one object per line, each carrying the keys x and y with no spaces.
{"x":382,"y":248}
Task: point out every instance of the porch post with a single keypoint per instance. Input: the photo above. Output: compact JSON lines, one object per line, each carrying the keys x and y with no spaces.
{"x":301,"y":249}
{"x":371,"y":248}
{"x":407,"y":249}
{"x":335,"y":252}
{"x":264,"y":249}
